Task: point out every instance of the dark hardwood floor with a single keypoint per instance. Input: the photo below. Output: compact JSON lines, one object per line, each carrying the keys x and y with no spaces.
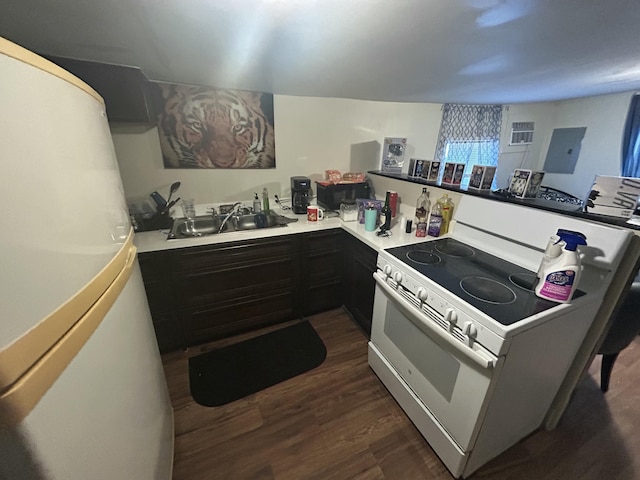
{"x":339,"y":422}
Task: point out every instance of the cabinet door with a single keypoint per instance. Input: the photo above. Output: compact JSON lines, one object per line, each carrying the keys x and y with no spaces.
{"x":322,"y":271}
{"x":231,"y":288}
{"x":360,"y":264}
{"x":124,"y":89}
{"x":158,"y":277}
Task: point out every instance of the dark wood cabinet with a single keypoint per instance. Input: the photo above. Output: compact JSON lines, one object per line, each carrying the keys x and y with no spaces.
{"x":157,"y":272}
{"x":203,"y":293}
{"x":321,"y":270}
{"x":359,"y":284}
{"x":230,"y":288}
{"x":125,"y":90}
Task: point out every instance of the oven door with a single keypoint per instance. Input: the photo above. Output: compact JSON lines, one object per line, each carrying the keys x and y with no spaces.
{"x":451,"y":380}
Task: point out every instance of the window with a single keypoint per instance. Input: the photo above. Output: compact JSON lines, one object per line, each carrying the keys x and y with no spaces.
{"x":631,"y":140}
{"x":469,"y":134}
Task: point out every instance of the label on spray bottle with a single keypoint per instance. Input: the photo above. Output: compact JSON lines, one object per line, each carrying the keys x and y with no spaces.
{"x":558,"y":285}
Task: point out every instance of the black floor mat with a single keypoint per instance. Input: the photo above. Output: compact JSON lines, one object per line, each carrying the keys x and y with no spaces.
{"x":229,"y":373}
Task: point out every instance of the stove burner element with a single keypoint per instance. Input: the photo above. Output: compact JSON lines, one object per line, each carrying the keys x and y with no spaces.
{"x":526,"y":281}
{"x":423,"y":257}
{"x":455,"y":250}
{"x":488,"y":290}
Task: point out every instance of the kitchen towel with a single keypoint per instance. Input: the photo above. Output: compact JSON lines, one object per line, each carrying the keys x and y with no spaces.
{"x":235,"y":371}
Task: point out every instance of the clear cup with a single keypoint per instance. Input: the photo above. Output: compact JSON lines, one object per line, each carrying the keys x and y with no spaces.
{"x":188,"y":208}
{"x":189,"y":211}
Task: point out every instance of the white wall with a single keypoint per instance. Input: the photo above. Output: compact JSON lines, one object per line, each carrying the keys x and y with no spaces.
{"x":523,"y":156}
{"x":601,"y":150}
{"x":316,"y":134}
{"x":312,"y":135}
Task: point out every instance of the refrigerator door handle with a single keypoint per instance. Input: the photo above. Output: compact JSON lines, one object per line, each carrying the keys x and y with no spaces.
{"x":23,"y":395}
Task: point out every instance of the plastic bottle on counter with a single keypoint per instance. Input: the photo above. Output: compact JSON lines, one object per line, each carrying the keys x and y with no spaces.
{"x":553,"y":251}
{"x":265,"y":200}
{"x":257,"y":206}
{"x":561,"y":275}
{"x":446,"y":206}
{"x":435,"y":221}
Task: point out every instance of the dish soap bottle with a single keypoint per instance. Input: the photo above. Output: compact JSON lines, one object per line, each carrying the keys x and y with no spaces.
{"x":435,"y":221}
{"x":446,"y":205}
{"x":559,"y":279}
{"x":257,"y":206}
{"x":265,"y":200}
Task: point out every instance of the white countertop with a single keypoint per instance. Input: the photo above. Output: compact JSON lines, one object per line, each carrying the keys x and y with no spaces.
{"x":157,"y":240}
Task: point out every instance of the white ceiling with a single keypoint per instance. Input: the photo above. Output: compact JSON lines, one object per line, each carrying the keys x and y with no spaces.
{"x":463,"y":51}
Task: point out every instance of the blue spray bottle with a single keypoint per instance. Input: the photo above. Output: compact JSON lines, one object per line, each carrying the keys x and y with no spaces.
{"x":559,"y":277}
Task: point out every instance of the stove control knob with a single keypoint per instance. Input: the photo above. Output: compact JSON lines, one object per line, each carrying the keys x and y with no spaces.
{"x":422,"y":294}
{"x":387,"y":270}
{"x":451,"y":316}
{"x":397,"y":277}
{"x":471,"y":331}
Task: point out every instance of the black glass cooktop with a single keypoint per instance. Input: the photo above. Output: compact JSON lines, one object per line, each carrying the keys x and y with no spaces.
{"x":499,"y":288}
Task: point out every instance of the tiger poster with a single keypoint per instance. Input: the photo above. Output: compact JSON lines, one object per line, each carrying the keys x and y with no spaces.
{"x":204,"y":127}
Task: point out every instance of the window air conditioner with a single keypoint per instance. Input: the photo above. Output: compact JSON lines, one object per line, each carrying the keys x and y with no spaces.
{"x":521,"y":133}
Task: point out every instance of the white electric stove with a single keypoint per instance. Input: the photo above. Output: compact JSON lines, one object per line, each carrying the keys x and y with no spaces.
{"x":459,"y":337}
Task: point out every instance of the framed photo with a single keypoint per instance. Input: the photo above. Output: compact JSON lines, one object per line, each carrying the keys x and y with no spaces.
{"x":203,"y":127}
{"x":453,"y":173}
{"x":482,"y":177}
{"x":526,"y":183}
{"x":393,"y":150}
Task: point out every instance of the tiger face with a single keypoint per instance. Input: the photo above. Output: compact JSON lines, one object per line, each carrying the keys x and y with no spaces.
{"x":208,"y":128}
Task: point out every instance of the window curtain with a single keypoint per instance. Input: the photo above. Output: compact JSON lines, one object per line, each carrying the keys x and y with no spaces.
{"x":631,"y":140}
{"x":469,"y":134}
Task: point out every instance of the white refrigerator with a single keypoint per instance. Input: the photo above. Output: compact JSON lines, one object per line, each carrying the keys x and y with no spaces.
{"x":82,"y":389}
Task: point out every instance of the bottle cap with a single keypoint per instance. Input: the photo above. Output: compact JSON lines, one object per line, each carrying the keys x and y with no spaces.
{"x":572,"y":239}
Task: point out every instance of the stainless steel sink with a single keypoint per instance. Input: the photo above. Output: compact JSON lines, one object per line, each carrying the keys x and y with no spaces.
{"x":210,"y":224}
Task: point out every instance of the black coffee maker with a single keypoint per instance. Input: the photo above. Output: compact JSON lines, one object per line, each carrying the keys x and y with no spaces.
{"x":300,"y":194}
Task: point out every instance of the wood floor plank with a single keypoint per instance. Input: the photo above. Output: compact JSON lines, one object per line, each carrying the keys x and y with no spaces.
{"x":338,"y":421}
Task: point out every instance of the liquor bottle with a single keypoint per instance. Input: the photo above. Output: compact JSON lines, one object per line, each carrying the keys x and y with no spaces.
{"x":435,"y":221}
{"x":423,"y":205}
{"x":385,"y":214}
{"x":446,"y":204}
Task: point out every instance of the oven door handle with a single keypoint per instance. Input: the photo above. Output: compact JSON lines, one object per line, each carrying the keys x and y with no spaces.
{"x":416,"y":317}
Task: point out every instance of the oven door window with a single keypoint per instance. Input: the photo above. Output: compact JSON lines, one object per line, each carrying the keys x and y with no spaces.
{"x":452,"y":387}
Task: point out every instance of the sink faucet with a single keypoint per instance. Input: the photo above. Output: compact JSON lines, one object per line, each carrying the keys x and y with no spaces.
{"x":233,"y":211}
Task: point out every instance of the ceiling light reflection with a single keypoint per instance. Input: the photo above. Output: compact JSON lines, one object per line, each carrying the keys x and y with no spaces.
{"x":494,"y":64}
{"x":507,"y":11}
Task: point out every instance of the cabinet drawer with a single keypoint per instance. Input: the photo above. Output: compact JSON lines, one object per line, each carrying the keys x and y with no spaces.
{"x":328,"y":240}
{"x":236,"y":317}
{"x":238,"y":253}
{"x":234,"y":281}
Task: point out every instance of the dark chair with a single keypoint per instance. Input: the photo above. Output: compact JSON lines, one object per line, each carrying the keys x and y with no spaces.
{"x":624,"y":327}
